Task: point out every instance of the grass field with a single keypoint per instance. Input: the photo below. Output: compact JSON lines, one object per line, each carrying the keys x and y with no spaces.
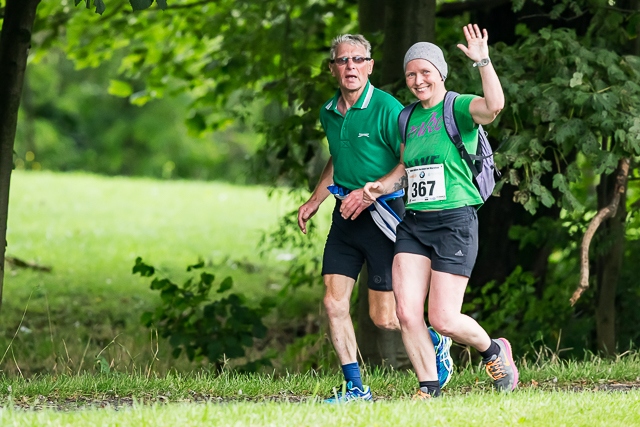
{"x":531,"y":408}
{"x":89,"y":230}
{"x":594,"y":392}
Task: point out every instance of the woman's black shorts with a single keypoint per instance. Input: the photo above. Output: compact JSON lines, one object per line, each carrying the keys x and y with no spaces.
{"x":449,"y":238}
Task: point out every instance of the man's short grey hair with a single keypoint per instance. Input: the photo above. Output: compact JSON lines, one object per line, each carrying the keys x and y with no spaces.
{"x":352,"y":39}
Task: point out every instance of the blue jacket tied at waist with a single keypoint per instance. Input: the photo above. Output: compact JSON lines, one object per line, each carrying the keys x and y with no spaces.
{"x":384,"y":217}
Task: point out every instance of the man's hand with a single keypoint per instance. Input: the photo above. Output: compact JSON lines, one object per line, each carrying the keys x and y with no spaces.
{"x":353,"y":204}
{"x":373,"y":190}
{"x":305,"y":212}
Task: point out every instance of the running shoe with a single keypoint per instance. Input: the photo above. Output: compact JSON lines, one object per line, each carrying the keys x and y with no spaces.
{"x":501,"y":367}
{"x":444,"y":362}
{"x":421,"y":395}
{"x":350,"y":394}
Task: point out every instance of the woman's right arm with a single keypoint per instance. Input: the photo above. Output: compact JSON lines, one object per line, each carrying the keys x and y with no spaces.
{"x":391,"y":182}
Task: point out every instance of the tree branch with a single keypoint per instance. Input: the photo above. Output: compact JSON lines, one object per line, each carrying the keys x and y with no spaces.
{"x":17,"y":262}
{"x":604,"y":213}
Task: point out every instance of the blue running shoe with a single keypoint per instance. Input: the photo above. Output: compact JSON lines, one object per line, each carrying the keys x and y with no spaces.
{"x":444,"y":362}
{"x":350,"y":394}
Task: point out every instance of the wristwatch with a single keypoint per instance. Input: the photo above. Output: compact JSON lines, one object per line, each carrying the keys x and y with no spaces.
{"x":482,"y":62}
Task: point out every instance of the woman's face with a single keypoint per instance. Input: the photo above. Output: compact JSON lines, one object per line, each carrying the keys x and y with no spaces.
{"x":423,"y":79}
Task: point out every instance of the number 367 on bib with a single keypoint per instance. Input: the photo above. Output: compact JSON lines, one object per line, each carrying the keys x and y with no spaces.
{"x":426,"y":183}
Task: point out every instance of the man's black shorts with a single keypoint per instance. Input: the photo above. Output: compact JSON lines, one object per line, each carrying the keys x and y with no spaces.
{"x":449,"y":238}
{"x":351,"y":242}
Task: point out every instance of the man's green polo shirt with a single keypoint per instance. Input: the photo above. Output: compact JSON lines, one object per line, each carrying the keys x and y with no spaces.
{"x":365,"y":142}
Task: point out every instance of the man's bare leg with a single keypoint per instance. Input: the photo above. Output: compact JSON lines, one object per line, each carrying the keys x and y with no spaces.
{"x":382,"y":310}
{"x":337,"y":300}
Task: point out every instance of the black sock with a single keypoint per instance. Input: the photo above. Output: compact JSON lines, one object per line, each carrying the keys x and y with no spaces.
{"x":431,"y":387}
{"x":494,"y":349}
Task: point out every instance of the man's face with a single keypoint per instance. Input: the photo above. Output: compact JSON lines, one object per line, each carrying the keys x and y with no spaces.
{"x":422,"y":78}
{"x":351,"y":77}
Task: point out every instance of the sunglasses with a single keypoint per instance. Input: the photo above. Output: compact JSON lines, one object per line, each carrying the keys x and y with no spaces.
{"x":345,"y":59}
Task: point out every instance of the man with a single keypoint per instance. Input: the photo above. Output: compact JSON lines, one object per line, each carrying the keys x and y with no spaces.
{"x":361,"y":124}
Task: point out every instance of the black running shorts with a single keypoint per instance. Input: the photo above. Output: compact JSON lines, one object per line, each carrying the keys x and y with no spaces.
{"x":449,"y":238}
{"x":351,"y":242}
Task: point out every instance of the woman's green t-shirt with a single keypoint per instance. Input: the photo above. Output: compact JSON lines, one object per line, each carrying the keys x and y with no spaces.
{"x":428,"y":144}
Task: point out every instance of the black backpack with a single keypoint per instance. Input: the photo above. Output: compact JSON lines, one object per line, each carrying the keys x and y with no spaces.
{"x":481,"y":163}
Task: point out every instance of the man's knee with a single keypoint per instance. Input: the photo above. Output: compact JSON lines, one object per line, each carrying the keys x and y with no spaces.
{"x":387,"y":321}
{"x":336,"y":307}
{"x":337,"y":297}
{"x":382,"y":310}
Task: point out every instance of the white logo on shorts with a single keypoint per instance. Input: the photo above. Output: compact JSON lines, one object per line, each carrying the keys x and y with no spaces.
{"x":459,"y":253}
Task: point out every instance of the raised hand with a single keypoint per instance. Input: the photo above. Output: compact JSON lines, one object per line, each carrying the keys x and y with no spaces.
{"x":477,"y":43}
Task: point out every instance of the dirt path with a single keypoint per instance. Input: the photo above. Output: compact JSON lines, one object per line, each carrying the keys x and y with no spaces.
{"x":121,"y":402}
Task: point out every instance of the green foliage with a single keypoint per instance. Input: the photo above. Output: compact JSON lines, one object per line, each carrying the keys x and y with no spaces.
{"x":263,"y":63}
{"x":311,"y":352}
{"x":68,"y":121}
{"x":100,"y":6}
{"x":564,"y":98}
{"x":303,"y":250}
{"x":573,"y":101}
{"x":503,"y":304}
{"x":202,"y":327}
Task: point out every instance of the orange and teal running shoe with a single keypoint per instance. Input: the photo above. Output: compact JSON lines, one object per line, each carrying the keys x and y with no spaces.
{"x":421,"y":395}
{"x":501,"y":367}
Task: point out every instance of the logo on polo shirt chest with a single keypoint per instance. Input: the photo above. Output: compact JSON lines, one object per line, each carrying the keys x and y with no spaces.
{"x":361,"y":135}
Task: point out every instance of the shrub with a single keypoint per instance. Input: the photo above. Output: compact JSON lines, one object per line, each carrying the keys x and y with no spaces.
{"x":201,"y":326}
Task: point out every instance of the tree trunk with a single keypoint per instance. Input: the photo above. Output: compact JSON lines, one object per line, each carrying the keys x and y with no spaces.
{"x":636,"y":42}
{"x":29,"y":122}
{"x":403,"y":23}
{"x":371,"y":18}
{"x":377,"y":347}
{"x":609,"y":262}
{"x":15,"y":41}
{"x":406,"y":23}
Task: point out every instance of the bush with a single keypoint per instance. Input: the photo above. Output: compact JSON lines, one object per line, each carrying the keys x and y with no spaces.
{"x":193,"y":322}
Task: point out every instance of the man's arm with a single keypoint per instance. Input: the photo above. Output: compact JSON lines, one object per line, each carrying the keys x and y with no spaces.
{"x":320,"y":193}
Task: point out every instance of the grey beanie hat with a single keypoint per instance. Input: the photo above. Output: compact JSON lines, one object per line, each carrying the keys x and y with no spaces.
{"x":429,"y":52}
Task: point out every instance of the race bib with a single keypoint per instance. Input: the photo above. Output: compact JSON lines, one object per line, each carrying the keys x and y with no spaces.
{"x":426,"y":183}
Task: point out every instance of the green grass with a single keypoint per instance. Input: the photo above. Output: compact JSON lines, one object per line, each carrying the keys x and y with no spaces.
{"x":553,"y":393}
{"x":89,"y":230}
{"x":592,"y":374}
{"x":531,"y":408}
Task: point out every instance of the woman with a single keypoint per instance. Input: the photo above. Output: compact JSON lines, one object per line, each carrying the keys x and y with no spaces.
{"x":437,"y":242}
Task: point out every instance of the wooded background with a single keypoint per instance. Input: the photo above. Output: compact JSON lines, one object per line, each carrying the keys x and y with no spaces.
{"x":204,"y":89}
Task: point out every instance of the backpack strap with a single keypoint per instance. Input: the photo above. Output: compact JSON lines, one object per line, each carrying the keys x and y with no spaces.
{"x":403,"y":120}
{"x":454,"y":134}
